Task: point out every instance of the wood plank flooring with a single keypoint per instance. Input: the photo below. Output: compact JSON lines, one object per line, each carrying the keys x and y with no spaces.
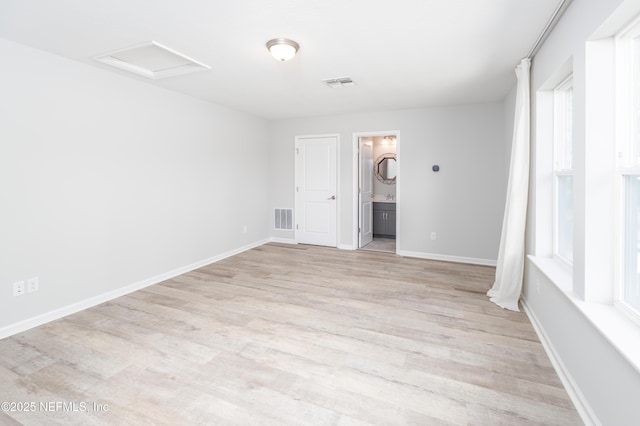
{"x":290,"y":334}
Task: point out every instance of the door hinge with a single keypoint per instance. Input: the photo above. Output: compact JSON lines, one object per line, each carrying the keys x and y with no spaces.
{"x":297,"y":151}
{"x":297,"y":227}
{"x":297,"y":190}
{"x":359,"y":230}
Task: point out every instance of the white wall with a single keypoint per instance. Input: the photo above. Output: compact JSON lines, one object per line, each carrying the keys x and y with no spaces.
{"x":106,"y":181}
{"x":600,"y":376}
{"x":463,"y":203}
{"x":379,"y":188}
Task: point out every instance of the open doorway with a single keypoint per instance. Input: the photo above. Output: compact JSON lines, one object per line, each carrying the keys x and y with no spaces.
{"x":376,"y":191}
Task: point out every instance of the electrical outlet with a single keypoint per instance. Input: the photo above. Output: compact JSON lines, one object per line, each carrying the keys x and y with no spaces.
{"x":433,"y":236}
{"x":18,"y":288}
{"x":33,"y":284}
{"x":244,"y":229}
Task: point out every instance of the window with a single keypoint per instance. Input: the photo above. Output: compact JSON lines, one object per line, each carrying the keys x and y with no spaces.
{"x":628,"y":168}
{"x":563,"y":170}
{"x":630,"y":289}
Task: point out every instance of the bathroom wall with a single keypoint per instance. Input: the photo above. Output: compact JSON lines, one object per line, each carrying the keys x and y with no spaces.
{"x":379,"y":188}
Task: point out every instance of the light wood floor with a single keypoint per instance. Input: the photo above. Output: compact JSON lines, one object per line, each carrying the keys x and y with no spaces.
{"x":286,"y":334}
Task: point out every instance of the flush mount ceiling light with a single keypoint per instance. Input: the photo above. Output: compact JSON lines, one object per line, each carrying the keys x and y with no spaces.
{"x":282,"y":49}
{"x":152,"y":60}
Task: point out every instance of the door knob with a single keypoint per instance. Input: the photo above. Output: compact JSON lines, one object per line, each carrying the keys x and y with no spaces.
{"x":333,"y":197}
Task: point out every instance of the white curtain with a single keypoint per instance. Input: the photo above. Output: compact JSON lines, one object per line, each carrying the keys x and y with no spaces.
{"x":509,"y":272}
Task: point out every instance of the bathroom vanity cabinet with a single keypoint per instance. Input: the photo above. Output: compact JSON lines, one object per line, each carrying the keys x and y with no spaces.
{"x":384,"y":220}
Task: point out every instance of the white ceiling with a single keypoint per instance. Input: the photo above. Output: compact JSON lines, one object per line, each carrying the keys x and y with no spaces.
{"x":401,"y":53}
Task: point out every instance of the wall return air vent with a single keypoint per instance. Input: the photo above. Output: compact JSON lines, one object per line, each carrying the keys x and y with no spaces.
{"x":336,"y":83}
{"x":152,"y":60}
{"x":283,"y":219}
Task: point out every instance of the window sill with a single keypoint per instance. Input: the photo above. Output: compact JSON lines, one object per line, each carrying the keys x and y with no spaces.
{"x":615,"y":326}
{"x":558,"y":273}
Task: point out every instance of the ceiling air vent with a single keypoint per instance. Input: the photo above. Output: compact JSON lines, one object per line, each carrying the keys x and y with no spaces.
{"x":335,"y":83}
{"x":152,"y":60}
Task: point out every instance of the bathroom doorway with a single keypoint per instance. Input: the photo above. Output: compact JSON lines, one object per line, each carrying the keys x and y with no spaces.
{"x":376,"y":192}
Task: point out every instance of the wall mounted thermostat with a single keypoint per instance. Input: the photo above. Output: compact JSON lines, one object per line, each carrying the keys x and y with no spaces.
{"x":435,"y":168}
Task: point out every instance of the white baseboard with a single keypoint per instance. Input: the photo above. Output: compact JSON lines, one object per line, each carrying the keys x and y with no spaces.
{"x":38,"y":320}
{"x":293,"y":241}
{"x":585,"y":411}
{"x":346,"y":247}
{"x":282,"y":240}
{"x":445,"y":258}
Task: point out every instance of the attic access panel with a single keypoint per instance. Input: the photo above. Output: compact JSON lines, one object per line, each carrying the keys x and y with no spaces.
{"x":152,"y":60}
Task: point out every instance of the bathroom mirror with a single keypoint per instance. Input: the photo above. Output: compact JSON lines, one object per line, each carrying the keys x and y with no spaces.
{"x":385,"y":168}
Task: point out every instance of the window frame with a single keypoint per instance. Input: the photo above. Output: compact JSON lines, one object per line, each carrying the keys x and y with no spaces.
{"x":627,"y":151}
{"x":560,"y":161}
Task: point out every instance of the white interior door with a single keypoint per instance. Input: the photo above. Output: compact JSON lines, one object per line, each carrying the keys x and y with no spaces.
{"x":316,"y":190}
{"x":366,"y":191}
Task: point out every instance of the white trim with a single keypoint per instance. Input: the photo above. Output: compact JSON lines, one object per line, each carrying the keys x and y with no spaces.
{"x":614,"y":326}
{"x":555,"y":270}
{"x":338,"y":196}
{"x":356,"y":181}
{"x":585,"y":411}
{"x":626,"y":160}
{"x":398,"y":192}
{"x":282,"y":240}
{"x":560,"y":122}
{"x":55,"y":314}
{"x":621,"y":248}
{"x":445,"y":258}
{"x":347,"y":247}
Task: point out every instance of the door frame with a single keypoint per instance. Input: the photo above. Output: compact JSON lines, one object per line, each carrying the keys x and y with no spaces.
{"x":356,"y":183}
{"x":295,"y":181}
{"x":363,"y":220}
